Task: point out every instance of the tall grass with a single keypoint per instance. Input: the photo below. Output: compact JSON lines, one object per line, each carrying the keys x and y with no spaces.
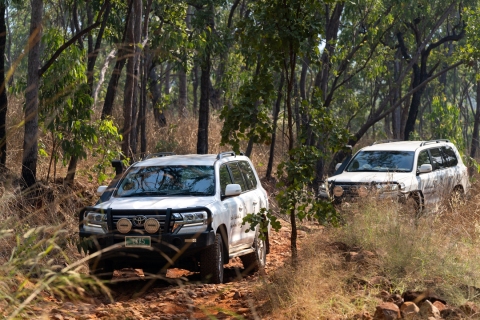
{"x":438,"y":252}
{"x":38,"y":255}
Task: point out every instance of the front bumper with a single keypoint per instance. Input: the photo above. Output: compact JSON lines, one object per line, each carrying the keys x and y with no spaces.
{"x":165,"y":246}
{"x":339,"y":193}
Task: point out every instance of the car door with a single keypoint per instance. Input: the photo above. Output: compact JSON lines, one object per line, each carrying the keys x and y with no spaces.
{"x":253,"y":199}
{"x":438,"y":163}
{"x":234,"y":207}
{"x":248,"y":199}
{"x":452,"y":172}
{"x":426,"y":181}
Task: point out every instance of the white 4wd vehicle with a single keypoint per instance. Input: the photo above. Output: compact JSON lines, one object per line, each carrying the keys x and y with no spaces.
{"x":421,"y":173}
{"x":176,"y":211}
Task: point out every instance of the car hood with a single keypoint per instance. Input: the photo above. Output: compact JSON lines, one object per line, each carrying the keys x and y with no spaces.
{"x":368,"y":177}
{"x":155,"y":203}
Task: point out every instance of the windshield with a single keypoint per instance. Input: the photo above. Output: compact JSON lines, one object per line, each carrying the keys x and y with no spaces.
{"x":372,"y":161}
{"x":167,"y":181}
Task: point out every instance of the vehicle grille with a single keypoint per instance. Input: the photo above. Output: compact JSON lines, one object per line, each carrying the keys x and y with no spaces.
{"x":350,"y":189}
{"x":117,"y":215}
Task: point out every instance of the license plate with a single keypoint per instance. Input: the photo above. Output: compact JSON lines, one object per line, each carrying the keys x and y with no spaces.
{"x":137,"y":242}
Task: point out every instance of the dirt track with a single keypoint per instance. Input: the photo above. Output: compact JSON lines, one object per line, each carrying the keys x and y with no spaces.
{"x":181,"y":295}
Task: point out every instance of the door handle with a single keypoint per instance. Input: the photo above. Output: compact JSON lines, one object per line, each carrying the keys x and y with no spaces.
{"x":255,"y":203}
{"x":240,"y":208}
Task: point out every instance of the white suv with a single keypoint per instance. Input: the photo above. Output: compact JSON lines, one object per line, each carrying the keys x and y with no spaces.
{"x":422,"y":173}
{"x":176,"y":211}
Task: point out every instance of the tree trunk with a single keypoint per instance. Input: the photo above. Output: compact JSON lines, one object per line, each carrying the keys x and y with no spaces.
{"x":30,"y":146}
{"x":128,"y":99}
{"x":276,"y":111}
{"x":475,"y":133}
{"x":206,"y":63}
{"x":3,"y":91}
{"x":117,"y":71}
{"x":182,"y":92}
{"x":156,"y":94}
{"x":195,"y":90}
{"x":92,"y":58}
{"x":203,"y":112}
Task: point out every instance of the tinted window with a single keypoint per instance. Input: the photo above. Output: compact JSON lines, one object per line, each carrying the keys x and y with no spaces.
{"x":437,"y":159}
{"x":168,"y":180}
{"x":248,"y":174}
{"x":224,"y":179}
{"x":372,"y":161}
{"x":237,"y":175}
{"x":423,"y":158}
{"x":450,"y":157}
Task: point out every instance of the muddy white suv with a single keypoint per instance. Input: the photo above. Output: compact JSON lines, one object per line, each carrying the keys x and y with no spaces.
{"x":420,"y":173}
{"x":176,"y":211}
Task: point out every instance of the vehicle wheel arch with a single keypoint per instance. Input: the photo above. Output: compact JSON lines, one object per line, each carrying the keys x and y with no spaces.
{"x":222,"y":229}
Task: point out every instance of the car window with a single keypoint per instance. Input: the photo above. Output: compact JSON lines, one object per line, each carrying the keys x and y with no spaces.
{"x":248,"y":174}
{"x":224,"y":178}
{"x":437,"y":158}
{"x":237,"y":175}
{"x":450,"y":156}
{"x":168,"y":180}
{"x":423,"y":158}
{"x":372,"y":161}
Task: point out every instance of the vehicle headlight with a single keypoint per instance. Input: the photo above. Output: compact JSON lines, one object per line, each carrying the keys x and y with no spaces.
{"x":189,"y":219}
{"x":95,"y":219}
{"x":387,"y":187}
{"x":323,"y":187}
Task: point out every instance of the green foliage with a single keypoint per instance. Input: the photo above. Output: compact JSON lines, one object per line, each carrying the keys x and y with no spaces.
{"x":296,"y":175}
{"x":263,"y":220}
{"x":106,"y":147}
{"x":66,"y":109}
{"x":249,"y":117}
{"x":445,"y":121}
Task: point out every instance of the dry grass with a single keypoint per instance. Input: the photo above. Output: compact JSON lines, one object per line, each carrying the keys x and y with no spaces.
{"x":438,"y":252}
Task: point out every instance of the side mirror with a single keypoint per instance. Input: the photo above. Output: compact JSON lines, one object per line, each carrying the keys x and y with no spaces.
{"x":424,"y":168}
{"x":101,"y":190}
{"x":337,"y":166}
{"x":232,"y":190}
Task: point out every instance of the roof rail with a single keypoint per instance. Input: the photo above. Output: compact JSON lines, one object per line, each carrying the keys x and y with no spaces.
{"x":227,"y":154}
{"x":386,"y":141}
{"x":433,"y":141}
{"x":158,"y":155}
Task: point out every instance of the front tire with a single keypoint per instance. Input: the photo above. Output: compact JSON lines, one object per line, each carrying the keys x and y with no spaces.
{"x":211,"y":262}
{"x":413,"y":205}
{"x":256,"y":260}
{"x":101,"y":269}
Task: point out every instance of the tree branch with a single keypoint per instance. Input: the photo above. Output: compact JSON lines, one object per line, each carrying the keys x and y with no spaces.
{"x":57,"y":53}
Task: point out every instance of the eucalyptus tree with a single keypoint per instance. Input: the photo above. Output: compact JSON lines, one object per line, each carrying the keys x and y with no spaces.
{"x":30,"y":146}
{"x":428,"y":26}
{"x":3,"y":88}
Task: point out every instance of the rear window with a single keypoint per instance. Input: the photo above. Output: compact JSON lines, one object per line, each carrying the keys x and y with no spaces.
{"x":168,"y":181}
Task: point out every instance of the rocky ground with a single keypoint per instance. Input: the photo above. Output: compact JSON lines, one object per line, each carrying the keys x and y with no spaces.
{"x":180,"y":296}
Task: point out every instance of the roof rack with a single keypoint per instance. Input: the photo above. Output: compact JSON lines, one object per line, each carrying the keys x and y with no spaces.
{"x":386,"y":141}
{"x":158,"y":155}
{"x":227,"y":154}
{"x":433,"y":141}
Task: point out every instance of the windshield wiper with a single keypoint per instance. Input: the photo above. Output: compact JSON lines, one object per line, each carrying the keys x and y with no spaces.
{"x":146,"y":194}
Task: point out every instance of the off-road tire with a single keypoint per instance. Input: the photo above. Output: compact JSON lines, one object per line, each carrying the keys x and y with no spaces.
{"x":457,"y":197}
{"x":101,"y":269}
{"x":211,"y":262}
{"x":413,"y":205}
{"x":255,"y":261}
{"x":154,"y":271}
